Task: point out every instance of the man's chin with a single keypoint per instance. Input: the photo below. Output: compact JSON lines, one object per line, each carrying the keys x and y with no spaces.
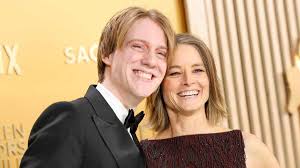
{"x":143,"y":93}
{"x":144,"y":89}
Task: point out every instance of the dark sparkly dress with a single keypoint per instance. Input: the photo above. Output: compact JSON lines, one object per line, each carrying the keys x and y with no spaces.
{"x":215,"y":150}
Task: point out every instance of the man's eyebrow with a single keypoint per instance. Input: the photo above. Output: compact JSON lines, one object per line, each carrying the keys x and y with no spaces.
{"x":147,"y":43}
{"x":163,"y":47}
{"x":132,"y":40}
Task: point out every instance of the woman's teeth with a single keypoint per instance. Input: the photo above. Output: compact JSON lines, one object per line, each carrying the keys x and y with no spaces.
{"x":189,"y":93}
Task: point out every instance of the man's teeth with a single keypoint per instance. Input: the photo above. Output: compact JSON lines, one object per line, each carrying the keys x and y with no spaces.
{"x":189,"y":93}
{"x":144,"y":75}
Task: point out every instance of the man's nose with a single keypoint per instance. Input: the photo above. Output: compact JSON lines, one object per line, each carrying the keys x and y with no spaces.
{"x":149,"y":59}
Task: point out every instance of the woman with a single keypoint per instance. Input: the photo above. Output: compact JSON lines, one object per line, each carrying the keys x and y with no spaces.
{"x":185,"y":112}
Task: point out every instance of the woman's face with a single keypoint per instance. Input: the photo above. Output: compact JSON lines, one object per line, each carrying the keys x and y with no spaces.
{"x":186,"y":83}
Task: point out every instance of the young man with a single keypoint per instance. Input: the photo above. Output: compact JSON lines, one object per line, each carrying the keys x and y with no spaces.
{"x":89,"y":132}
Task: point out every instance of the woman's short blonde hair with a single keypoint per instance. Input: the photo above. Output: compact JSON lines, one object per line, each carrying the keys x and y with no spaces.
{"x":117,"y":27}
{"x":215,"y":107}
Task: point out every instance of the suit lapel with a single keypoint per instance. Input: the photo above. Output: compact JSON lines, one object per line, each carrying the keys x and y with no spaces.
{"x":113,"y":132}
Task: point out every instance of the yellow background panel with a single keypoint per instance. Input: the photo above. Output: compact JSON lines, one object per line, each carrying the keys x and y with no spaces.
{"x":41,"y":31}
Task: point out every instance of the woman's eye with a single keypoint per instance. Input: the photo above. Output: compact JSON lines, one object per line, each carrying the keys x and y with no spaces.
{"x":174,"y":73}
{"x":199,"y":70}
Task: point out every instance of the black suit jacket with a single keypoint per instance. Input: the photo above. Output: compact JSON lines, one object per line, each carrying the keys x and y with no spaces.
{"x":83,"y":133}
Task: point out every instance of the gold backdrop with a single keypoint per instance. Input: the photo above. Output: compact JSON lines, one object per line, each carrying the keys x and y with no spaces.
{"x":48,"y":54}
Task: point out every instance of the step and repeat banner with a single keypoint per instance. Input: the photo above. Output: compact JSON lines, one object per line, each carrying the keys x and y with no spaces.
{"x":48,"y":54}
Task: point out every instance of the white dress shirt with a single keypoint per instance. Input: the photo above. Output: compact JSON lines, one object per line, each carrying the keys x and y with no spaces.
{"x":116,"y":105}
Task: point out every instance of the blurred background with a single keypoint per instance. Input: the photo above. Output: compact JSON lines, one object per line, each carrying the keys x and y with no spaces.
{"x":48,"y":54}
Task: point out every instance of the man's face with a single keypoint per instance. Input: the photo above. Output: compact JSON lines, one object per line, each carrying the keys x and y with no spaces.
{"x":138,"y":67}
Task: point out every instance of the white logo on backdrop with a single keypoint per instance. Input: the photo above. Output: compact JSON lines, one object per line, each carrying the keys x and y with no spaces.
{"x":81,"y":54}
{"x":12,"y":65}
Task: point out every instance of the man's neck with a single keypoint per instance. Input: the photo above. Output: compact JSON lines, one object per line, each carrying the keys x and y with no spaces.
{"x":127,"y":99}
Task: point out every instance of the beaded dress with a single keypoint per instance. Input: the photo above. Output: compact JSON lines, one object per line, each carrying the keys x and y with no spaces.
{"x":213,"y":150}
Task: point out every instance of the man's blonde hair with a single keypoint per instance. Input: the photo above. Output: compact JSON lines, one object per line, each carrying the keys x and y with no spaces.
{"x":117,"y":27}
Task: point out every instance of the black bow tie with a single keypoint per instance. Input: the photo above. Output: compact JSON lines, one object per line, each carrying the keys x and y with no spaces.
{"x":133,"y":122}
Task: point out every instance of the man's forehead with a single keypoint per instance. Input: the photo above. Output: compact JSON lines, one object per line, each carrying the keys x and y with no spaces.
{"x":146,"y":30}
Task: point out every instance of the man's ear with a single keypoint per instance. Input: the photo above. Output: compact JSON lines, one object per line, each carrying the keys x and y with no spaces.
{"x":108,"y":59}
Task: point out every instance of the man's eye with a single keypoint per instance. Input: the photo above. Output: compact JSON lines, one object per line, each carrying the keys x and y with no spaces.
{"x":138,"y":47}
{"x":162,"y":54}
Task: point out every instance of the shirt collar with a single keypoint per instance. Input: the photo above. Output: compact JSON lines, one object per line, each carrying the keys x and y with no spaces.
{"x":116,"y":105}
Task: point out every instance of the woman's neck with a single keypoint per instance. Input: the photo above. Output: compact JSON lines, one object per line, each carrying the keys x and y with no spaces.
{"x":193,"y":123}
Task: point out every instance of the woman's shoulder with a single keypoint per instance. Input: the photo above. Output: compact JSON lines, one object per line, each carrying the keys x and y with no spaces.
{"x":253,"y":143}
{"x":257,"y":153}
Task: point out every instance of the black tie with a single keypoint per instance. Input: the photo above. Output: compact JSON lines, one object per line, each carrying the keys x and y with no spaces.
{"x":132,"y":123}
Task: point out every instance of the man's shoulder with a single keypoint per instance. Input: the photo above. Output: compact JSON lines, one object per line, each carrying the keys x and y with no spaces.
{"x":63,"y":109}
{"x":65,"y":106}
{"x":61,"y":114}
